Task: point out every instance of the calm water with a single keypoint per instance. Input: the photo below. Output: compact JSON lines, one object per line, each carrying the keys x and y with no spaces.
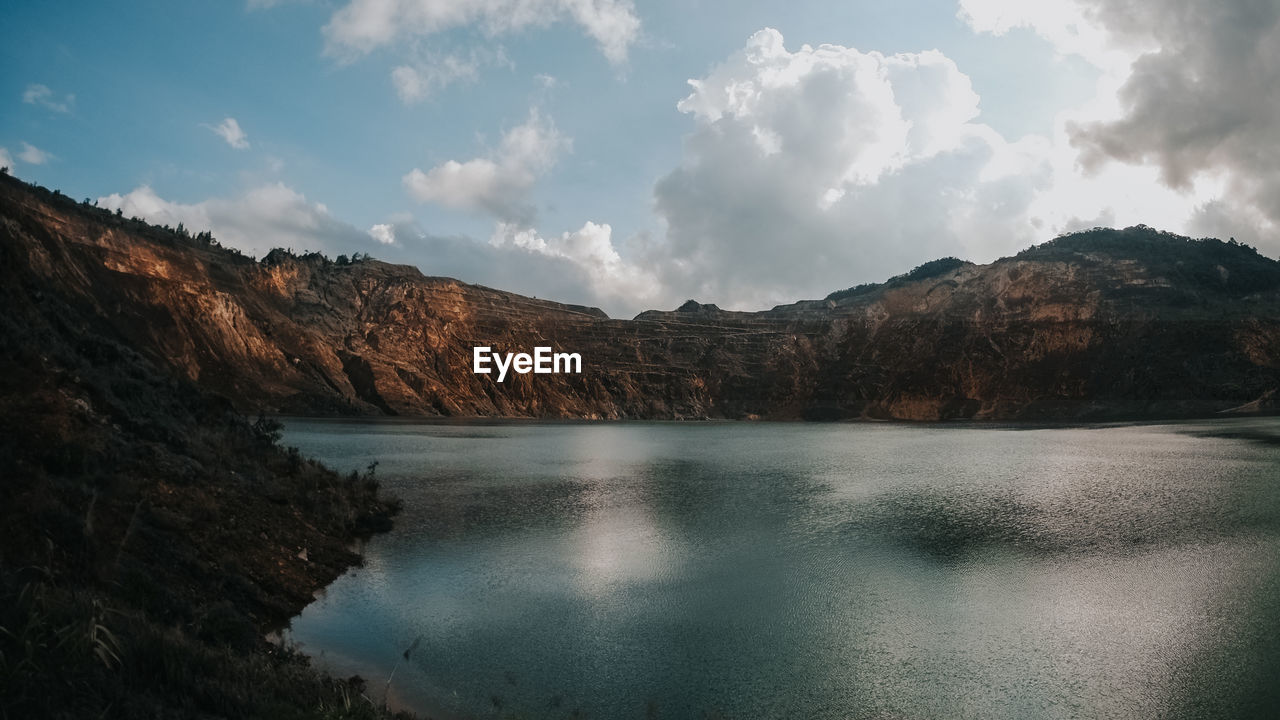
{"x":813,"y":571}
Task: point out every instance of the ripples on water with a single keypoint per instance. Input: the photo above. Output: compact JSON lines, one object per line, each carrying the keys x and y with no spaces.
{"x":817,"y":571}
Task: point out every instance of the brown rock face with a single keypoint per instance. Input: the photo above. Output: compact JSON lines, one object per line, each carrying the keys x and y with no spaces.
{"x":1102,"y":324}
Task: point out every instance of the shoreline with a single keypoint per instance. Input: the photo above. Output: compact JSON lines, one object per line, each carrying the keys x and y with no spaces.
{"x":517,"y":421}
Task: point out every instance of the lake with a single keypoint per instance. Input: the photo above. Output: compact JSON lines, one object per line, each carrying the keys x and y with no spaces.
{"x":789,"y":570}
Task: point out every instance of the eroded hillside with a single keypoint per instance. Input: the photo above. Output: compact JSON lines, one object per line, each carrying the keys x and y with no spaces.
{"x":1105,"y":324}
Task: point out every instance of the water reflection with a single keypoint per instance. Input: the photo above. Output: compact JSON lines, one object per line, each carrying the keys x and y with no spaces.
{"x":815,"y":571}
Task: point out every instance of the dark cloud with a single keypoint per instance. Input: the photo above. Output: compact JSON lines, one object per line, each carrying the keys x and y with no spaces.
{"x":1204,"y":102}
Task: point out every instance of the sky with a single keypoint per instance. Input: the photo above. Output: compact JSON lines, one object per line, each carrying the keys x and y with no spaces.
{"x":632,"y":155}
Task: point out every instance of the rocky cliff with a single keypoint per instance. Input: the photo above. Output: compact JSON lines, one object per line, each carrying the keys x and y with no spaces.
{"x":152,"y":533}
{"x":1098,"y":325}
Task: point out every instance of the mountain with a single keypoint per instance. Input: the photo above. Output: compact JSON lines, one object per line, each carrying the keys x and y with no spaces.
{"x":153,"y":535}
{"x":1104,"y":324}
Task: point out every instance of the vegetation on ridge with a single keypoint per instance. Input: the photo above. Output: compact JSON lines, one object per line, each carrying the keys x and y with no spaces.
{"x":152,"y":534}
{"x":924,"y":271}
{"x":1204,"y":263}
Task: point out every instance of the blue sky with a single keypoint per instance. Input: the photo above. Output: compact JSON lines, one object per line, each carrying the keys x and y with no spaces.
{"x":577,"y":171}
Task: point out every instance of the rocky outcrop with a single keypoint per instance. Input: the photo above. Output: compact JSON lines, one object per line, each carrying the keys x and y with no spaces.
{"x":1103,"y":324}
{"x":152,"y":533}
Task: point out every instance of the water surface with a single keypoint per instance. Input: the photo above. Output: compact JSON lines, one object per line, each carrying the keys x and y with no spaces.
{"x":746,"y":570}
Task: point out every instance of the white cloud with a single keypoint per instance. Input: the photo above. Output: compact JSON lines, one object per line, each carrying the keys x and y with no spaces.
{"x":385,"y":234}
{"x":364,"y":25}
{"x":427,"y":75}
{"x":813,"y":170}
{"x":37,"y":94}
{"x":499,"y":183}
{"x":5,"y":159}
{"x":505,"y":265}
{"x":612,"y":280}
{"x":1071,"y":27}
{"x":230,"y":131}
{"x":414,"y":84}
{"x":260,"y":219}
{"x":33,"y":155}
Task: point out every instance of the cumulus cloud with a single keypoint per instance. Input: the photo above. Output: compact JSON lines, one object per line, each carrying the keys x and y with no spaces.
{"x":819,"y":168}
{"x":364,"y":25}
{"x":384,"y":233}
{"x":499,"y":183}
{"x":1187,"y":99}
{"x":585,"y":262}
{"x":229,"y":130}
{"x":610,"y":279}
{"x":33,"y":155}
{"x":812,"y":170}
{"x":37,"y":94}
{"x":260,"y":219}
